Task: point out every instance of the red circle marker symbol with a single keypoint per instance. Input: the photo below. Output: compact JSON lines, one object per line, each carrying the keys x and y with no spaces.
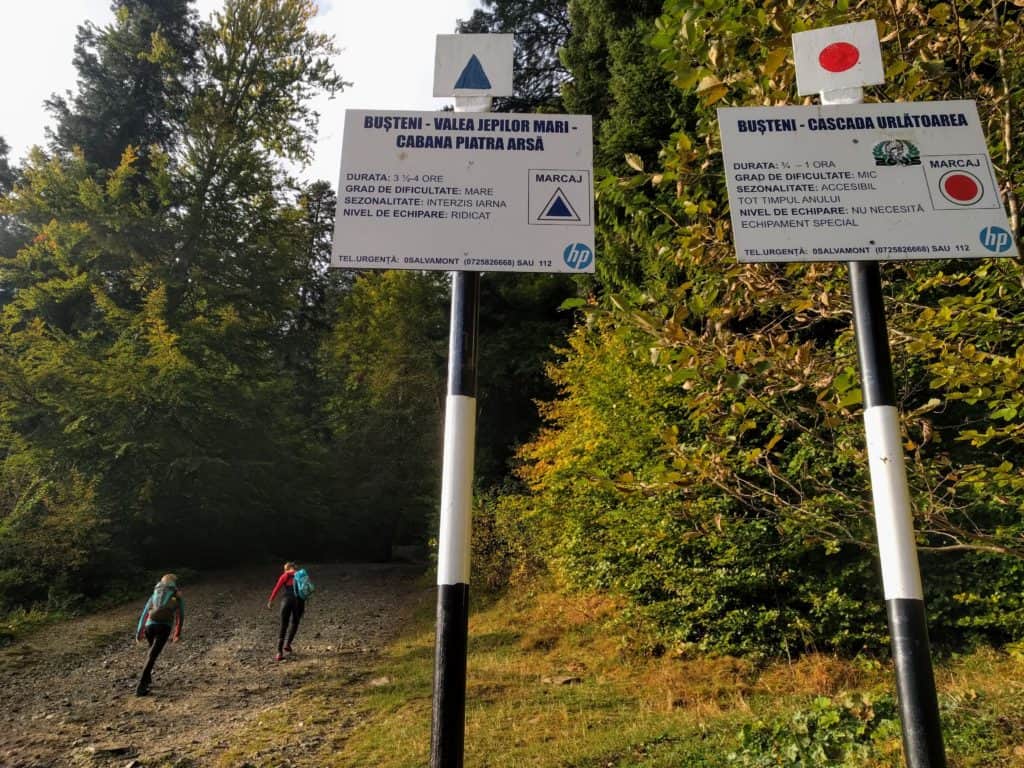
{"x":961,"y":187}
{"x":839,"y":57}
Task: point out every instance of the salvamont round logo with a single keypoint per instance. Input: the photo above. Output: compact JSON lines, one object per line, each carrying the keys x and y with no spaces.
{"x":896,"y":152}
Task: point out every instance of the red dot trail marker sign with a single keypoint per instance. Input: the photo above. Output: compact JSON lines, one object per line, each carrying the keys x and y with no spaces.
{"x":961,"y":187}
{"x":836,"y":58}
{"x":839,"y":57}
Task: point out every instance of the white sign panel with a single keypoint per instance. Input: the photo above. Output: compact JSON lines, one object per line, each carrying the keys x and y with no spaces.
{"x":473,"y":65}
{"x":862,"y":182}
{"x":835,"y":58}
{"x":489,"y":192}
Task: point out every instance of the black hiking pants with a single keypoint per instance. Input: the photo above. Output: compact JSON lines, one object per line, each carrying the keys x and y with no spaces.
{"x":292,"y":609}
{"x":156,"y":636}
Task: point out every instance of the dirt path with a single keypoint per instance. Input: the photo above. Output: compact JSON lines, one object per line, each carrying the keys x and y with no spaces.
{"x":67,"y":693}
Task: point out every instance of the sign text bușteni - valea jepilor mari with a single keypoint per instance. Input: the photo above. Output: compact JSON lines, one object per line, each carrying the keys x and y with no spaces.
{"x":460,"y":191}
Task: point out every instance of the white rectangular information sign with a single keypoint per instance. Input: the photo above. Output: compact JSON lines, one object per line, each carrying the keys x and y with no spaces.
{"x":488,"y":192}
{"x":862,"y":182}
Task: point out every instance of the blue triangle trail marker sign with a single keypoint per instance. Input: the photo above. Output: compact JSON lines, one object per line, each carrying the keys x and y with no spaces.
{"x":473,"y":76}
{"x":558,"y":208}
{"x":473,"y":65}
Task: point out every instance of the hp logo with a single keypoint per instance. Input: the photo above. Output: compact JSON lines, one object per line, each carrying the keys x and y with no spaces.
{"x":578,"y":255}
{"x":995,"y":239}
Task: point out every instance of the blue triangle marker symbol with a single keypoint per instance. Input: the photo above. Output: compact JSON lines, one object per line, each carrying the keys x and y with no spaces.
{"x":558,"y":210}
{"x":473,"y":76}
{"x":558,"y":207}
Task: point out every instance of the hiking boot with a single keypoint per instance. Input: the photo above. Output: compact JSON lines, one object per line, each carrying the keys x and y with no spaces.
{"x":279,"y":657}
{"x":287,"y":649}
{"x":142,"y":690}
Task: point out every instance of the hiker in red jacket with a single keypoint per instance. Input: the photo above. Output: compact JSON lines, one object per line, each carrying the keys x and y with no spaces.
{"x":292,"y":608}
{"x":163,"y":612}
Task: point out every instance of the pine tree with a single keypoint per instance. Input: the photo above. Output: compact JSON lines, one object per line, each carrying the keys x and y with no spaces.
{"x":133,"y":78}
{"x":12,"y":235}
{"x":616,"y":78}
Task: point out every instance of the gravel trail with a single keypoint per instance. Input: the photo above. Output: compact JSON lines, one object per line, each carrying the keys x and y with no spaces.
{"x":67,"y":692}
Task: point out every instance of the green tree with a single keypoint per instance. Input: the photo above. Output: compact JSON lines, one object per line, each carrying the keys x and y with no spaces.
{"x":521,"y":325}
{"x":747,"y":481}
{"x":541,"y":28}
{"x":616,"y":79}
{"x":7,"y":174}
{"x":250,"y":108}
{"x":149,"y":407}
{"x":73,"y":361}
{"x":320,"y":290}
{"x":133,"y":76}
{"x":386,"y":359}
{"x":12,"y":235}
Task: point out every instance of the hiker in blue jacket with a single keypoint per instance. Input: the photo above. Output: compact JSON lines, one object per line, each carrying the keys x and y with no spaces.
{"x":163,"y":612}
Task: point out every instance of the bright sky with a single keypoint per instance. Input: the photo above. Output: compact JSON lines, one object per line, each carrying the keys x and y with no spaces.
{"x":387,"y":55}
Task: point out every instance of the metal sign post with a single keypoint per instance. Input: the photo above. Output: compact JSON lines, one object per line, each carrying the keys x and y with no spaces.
{"x":447,"y":728}
{"x":901,"y":576}
{"x":454,"y":536}
{"x":463,"y":192}
{"x":448,"y":721}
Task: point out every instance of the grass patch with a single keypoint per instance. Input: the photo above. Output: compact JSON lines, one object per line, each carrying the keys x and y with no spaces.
{"x":618,"y":710}
{"x":550,"y":686}
{"x":21,"y":623}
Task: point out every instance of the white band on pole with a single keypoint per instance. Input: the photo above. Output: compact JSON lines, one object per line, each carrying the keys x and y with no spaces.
{"x":901,"y":577}
{"x":456,"y":491}
{"x":473,"y":103}
{"x":843,"y":96}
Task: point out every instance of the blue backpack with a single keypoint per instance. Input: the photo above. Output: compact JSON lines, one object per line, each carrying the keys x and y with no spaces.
{"x":302,"y":585}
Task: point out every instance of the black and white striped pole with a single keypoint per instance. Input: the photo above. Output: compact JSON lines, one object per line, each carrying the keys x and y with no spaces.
{"x":901,"y":577}
{"x":454,"y":541}
{"x":449,"y":714}
{"x":818,"y":53}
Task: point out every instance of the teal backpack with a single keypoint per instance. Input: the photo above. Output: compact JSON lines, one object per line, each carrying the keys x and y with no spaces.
{"x":163,"y":603}
{"x":302,"y":585}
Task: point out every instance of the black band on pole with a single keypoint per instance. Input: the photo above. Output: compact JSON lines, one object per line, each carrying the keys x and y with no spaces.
{"x":915,"y":685}
{"x":449,"y":715}
{"x":465,"y":326}
{"x":872,"y":339}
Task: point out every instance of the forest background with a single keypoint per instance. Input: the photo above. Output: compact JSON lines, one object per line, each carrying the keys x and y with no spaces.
{"x":184,"y":383}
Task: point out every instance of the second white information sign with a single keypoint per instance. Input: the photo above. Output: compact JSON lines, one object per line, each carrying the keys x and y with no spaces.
{"x":488,"y":192}
{"x":862,"y":182}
